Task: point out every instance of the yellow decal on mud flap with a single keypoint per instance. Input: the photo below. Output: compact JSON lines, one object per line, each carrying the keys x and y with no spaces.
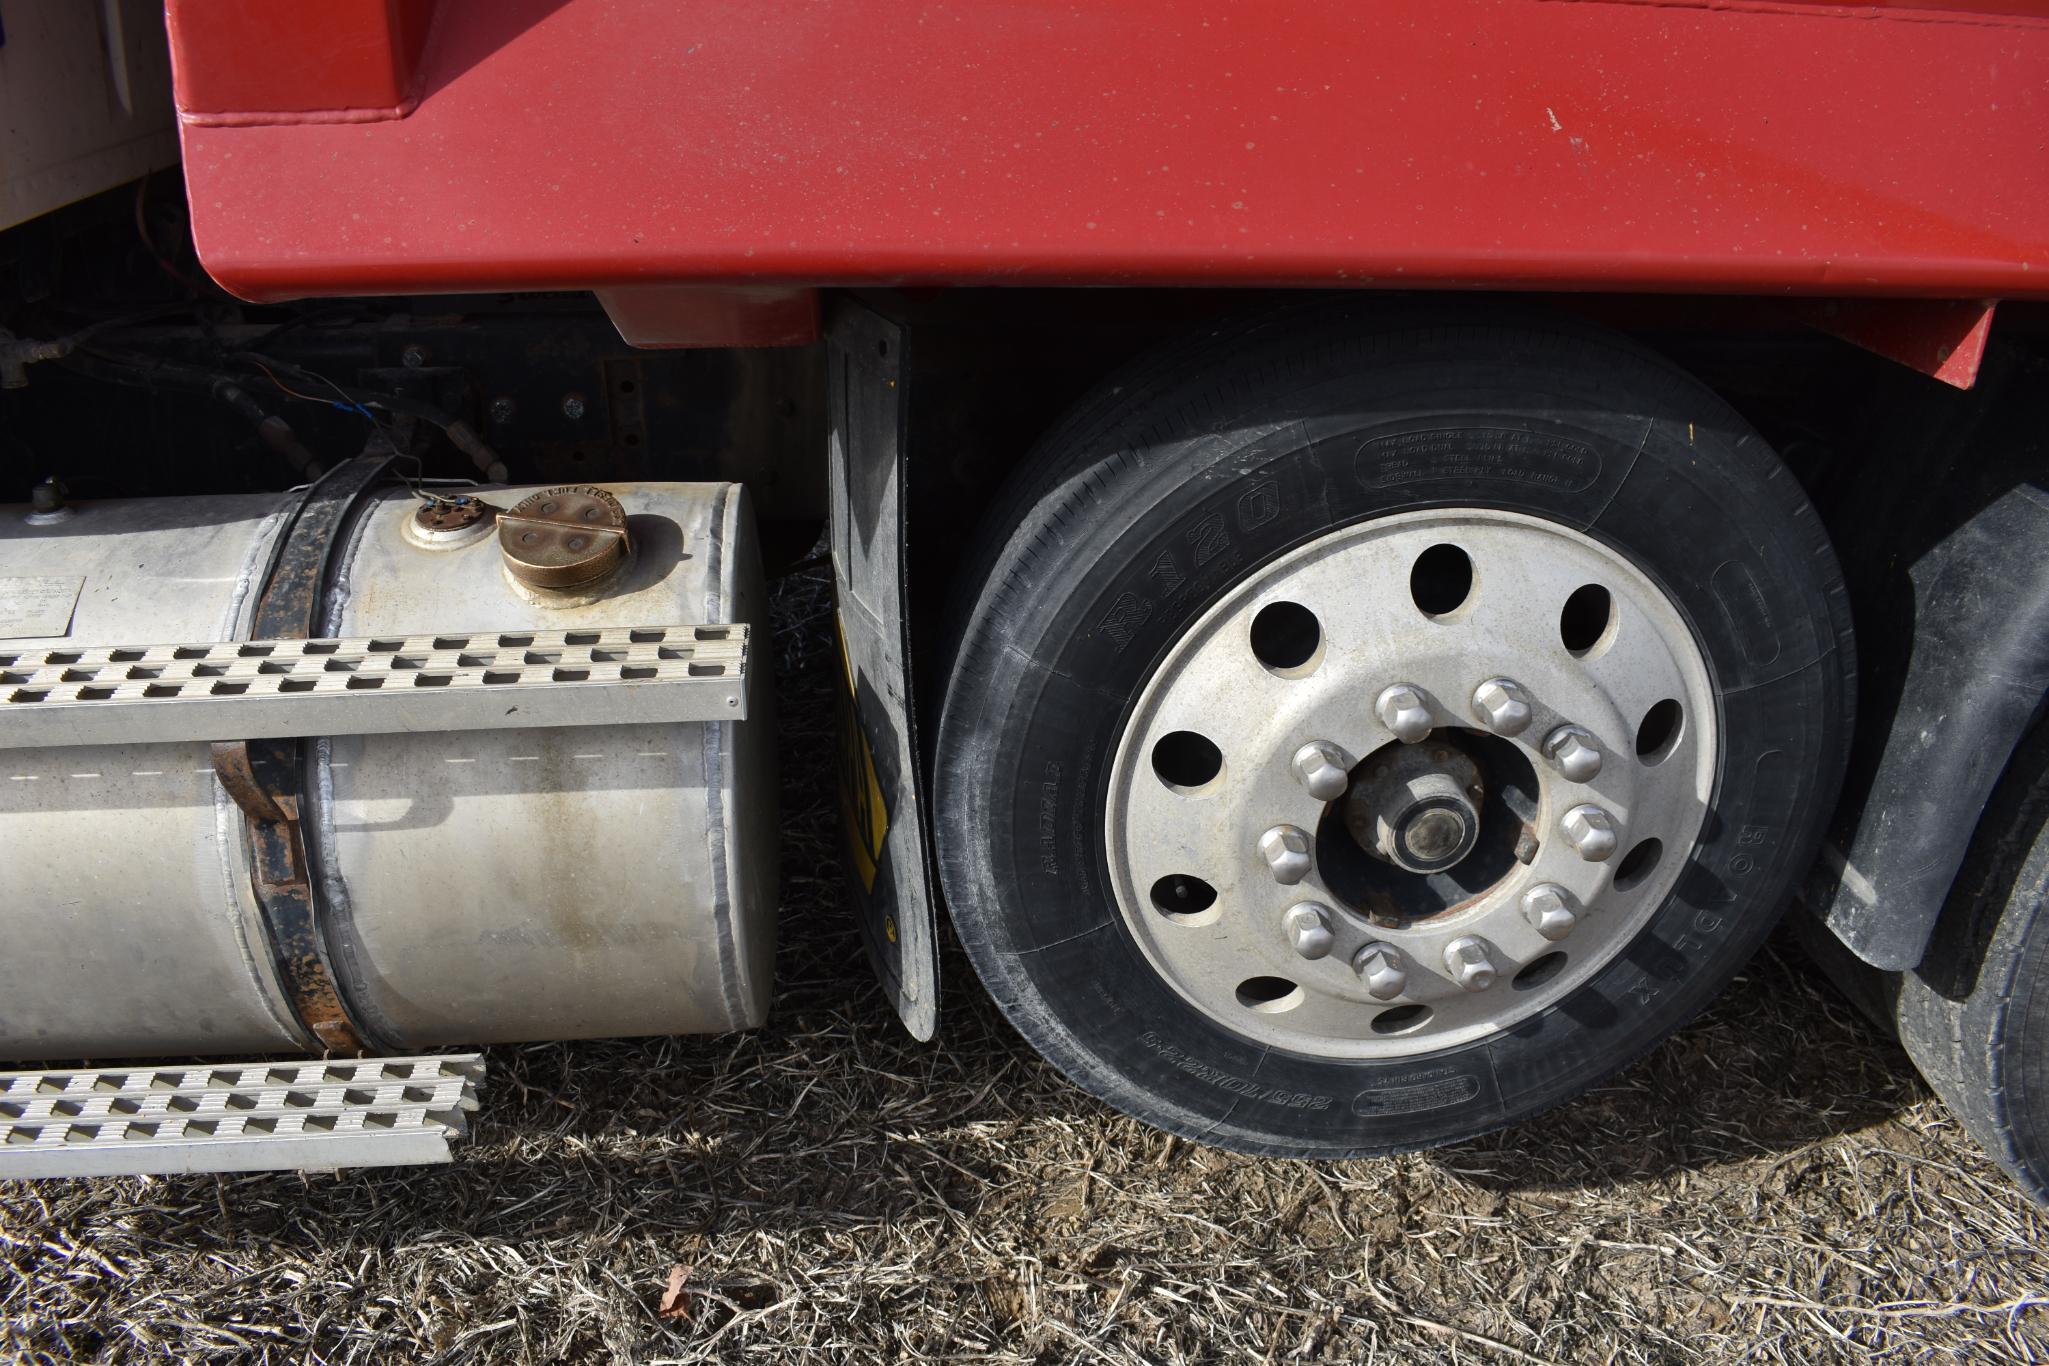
{"x":863,"y":814}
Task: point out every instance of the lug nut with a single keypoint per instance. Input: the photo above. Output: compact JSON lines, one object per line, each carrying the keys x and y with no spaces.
{"x":1286,"y":850}
{"x":1549,"y":912}
{"x":1308,"y":928}
{"x":1591,"y":831}
{"x":1502,"y":706}
{"x":1403,"y":711}
{"x":1385,"y":970}
{"x":1574,"y":752}
{"x":1323,"y":770}
{"x":1465,"y":958}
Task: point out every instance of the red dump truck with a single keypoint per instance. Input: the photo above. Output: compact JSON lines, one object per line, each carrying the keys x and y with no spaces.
{"x":1378,"y":547}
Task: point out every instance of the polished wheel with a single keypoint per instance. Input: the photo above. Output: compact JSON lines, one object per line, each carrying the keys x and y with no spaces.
{"x":1406,"y":821}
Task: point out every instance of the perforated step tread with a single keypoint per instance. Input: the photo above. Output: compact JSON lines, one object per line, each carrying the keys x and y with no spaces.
{"x":263,"y":689}
{"x":232,"y":1117}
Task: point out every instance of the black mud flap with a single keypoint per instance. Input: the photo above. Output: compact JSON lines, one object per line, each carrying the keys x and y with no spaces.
{"x":882,"y":797}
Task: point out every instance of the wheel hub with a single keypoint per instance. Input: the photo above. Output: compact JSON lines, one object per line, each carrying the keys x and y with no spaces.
{"x":1417,"y":806}
{"x":1451,"y":808}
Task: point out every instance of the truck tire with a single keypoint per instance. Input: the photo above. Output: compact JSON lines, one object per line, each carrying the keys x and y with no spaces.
{"x":1333,"y":526}
{"x":1975,"y":1015}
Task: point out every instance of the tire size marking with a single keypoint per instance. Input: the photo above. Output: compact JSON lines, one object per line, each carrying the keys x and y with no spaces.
{"x":1049,"y":821}
{"x":1226,"y":1081}
{"x":1520,"y":456}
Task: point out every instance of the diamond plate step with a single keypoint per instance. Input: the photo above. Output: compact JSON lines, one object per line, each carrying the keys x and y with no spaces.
{"x":235,"y":1117}
{"x":274,"y":689}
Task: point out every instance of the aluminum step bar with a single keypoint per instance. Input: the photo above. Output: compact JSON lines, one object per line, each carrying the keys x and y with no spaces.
{"x":235,"y":1117}
{"x":277,"y":689}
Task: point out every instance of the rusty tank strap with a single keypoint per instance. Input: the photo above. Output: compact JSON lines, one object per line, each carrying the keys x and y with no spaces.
{"x":263,"y":776}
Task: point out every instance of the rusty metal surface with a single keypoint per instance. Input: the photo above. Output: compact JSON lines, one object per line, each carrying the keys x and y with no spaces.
{"x":264,"y":776}
{"x":451,"y":514}
{"x":232,"y":765}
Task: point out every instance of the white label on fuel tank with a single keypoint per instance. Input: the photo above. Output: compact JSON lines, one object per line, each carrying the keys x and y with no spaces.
{"x":37,"y":607}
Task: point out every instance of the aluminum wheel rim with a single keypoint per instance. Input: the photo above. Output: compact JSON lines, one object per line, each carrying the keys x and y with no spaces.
{"x":1249,"y":957}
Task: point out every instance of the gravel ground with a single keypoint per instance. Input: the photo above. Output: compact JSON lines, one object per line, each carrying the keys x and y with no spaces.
{"x":1773,"y":1184}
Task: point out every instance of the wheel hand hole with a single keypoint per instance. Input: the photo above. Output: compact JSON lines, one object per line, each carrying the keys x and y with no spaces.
{"x":1441,"y":580}
{"x":1587,"y":619}
{"x":1539,"y":971}
{"x":1286,"y":636}
{"x":1269,"y":995}
{"x":1186,"y":761}
{"x":1637,"y":864}
{"x":1401,"y":1019}
{"x":1185,"y":900}
{"x":1659,"y":732}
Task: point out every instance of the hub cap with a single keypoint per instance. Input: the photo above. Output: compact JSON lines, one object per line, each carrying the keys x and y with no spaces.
{"x":1310,"y":866}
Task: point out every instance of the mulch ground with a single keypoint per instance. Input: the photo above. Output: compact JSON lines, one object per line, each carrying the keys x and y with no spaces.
{"x":1773,"y":1184}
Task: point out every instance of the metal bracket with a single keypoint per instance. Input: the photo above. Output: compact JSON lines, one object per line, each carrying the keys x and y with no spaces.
{"x":235,"y":1117}
{"x":268,"y":689}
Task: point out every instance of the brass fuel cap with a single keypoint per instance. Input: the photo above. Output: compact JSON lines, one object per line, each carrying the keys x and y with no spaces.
{"x":563,"y":538}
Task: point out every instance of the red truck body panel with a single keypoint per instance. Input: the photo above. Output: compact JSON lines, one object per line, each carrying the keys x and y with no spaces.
{"x":393,"y":146}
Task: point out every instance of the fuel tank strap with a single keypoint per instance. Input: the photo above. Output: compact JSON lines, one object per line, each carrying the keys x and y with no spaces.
{"x":264,"y":776}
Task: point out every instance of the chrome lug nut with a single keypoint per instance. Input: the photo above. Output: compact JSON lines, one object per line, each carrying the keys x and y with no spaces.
{"x":1574,"y":752}
{"x":1286,"y":851}
{"x":1308,"y":929}
{"x":1467,"y":960}
{"x":1591,"y":832}
{"x":1323,"y":770}
{"x":1549,"y":911}
{"x":1385,"y":971}
{"x":1502,"y":706}
{"x":1403,"y":711}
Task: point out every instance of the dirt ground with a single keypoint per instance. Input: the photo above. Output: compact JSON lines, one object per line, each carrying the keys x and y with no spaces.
{"x":1773,"y":1184}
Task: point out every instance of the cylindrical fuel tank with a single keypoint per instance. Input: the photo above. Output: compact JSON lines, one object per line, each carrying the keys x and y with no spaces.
{"x":472,"y":886}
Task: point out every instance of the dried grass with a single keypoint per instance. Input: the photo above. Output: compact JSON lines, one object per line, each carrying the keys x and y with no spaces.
{"x":1774,"y":1184}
